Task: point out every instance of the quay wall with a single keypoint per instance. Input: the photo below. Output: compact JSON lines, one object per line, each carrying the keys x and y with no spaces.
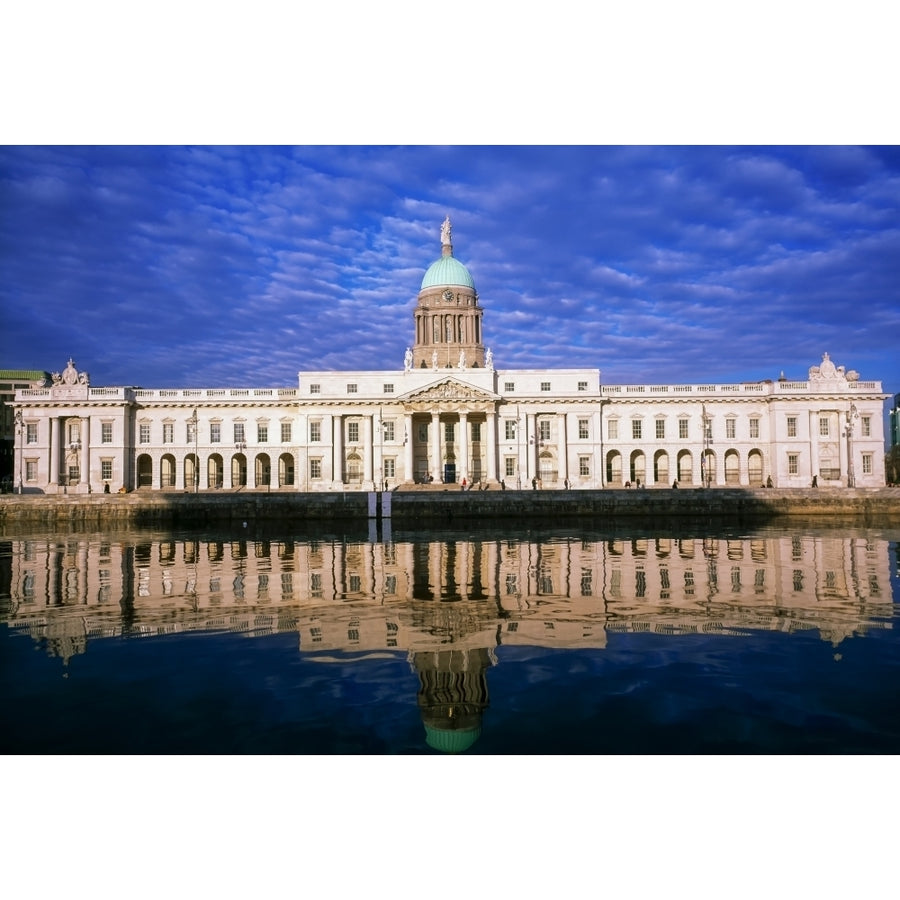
{"x":863,"y":506}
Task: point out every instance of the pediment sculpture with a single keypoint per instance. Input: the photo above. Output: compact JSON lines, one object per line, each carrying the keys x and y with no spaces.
{"x":451,"y":391}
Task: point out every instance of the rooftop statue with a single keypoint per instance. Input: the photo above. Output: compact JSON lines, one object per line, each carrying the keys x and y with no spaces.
{"x":445,"y":232}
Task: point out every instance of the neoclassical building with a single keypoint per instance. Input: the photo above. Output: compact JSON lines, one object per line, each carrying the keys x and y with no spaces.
{"x":450,"y":415}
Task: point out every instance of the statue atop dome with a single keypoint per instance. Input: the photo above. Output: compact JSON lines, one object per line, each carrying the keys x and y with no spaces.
{"x":445,"y":233}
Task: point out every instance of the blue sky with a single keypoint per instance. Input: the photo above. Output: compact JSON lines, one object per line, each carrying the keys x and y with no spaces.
{"x":215,"y":266}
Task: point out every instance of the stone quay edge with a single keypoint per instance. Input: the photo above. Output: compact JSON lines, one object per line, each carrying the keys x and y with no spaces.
{"x":865,"y":506}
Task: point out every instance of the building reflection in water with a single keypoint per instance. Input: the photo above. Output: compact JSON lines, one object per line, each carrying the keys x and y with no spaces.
{"x":448,"y":604}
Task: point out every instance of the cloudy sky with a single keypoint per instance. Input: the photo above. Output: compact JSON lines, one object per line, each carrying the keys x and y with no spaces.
{"x":212,"y":266}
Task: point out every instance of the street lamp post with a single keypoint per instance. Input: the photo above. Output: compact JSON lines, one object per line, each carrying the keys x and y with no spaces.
{"x":240,"y":446}
{"x":381,"y":427}
{"x":518,"y":450}
{"x":851,"y":414}
{"x":20,"y":425}
{"x":707,"y":440}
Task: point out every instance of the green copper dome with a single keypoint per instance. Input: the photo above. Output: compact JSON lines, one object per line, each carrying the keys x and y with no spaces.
{"x":447,"y":270}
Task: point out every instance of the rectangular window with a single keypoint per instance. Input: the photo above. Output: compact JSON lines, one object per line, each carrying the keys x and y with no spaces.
{"x":106,"y":469}
{"x":792,"y":426}
{"x":75,"y":432}
{"x":389,"y":389}
{"x":315,"y":468}
{"x":239,"y":432}
{"x":448,"y":432}
{"x":389,"y":468}
{"x":389,"y":431}
{"x":510,"y":429}
{"x":31,"y":469}
{"x":613,"y":429}
{"x":315,"y":388}
{"x":584,"y":465}
{"x":31,"y":433}
{"x":544,"y":428}
{"x":583,"y":433}
{"x":351,"y":388}
{"x":315,"y":432}
{"x":793,"y":463}
{"x":682,"y":428}
{"x":545,"y":385}
{"x":423,"y":434}
{"x":285,"y":432}
{"x":867,"y":463}
{"x":476,"y":431}
{"x":823,"y":426}
{"x":754,"y":428}
{"x":660,"y":429}
{"x":215,"y":432}
{"x":509,"y":386}
{"x":866,"y":426}
{"x":144,"y":434}
{"x":636,"y":429}
{"x":262,"y":433}
{"x":582,"y":385}
{"x":510,"y":464}
{"x":191,"y":432}
{"x":353,"y":431}
{"x":106,"y":433}
{"x":168,"y":433}
{"x":729,"y":429}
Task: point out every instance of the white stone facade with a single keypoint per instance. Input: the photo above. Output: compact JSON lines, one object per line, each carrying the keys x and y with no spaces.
{"x":449,"y":416}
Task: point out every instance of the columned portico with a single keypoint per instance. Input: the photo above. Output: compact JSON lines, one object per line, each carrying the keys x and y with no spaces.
{"x":435,"y":455}
{"x":462,"y":469}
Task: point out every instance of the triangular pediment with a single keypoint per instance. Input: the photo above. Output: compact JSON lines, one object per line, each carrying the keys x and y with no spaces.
{"x":449,"y":390}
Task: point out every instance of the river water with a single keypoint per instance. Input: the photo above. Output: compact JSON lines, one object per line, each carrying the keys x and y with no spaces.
{"x":530,"y":641}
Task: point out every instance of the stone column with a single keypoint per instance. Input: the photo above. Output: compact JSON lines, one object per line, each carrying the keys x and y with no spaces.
{"x":370,"y":463}
{"x":491,"y":446}
{"x":408,"y":473}
{"x":531,"y":447}
{"x":563,"y":444}
{"x":86,"y":453}
{"x":814,"y":445}
{"x":251,"y":469}
{"x":436,"y":471}
{"x":463,"y":446}
{"x":53,"y":460}
{"x":337,"y":455}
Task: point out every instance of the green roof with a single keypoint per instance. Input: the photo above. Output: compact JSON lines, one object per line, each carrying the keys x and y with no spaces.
{"x":23,"y":375}
{"x":447,"y":270}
